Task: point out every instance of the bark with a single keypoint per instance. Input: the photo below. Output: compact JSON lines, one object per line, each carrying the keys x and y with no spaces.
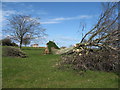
{"x":21,"y":41}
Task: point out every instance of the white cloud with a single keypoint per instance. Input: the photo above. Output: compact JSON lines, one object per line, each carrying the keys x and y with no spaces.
{"x":56,"y":20}
{"x":49,"y":22}
{"x":72,"y":18}
{"x":8,"y":12}
{"x":84,"y":16}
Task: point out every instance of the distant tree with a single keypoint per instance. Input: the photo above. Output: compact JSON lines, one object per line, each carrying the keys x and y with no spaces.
{"x":22,"y":25}
{"x":26,"y":40}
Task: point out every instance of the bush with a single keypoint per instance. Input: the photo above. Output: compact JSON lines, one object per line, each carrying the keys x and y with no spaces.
{"x":8,"y":42}
{"x":13,"y":52}
{"x":14,"y":44}
{"x":86,"y":59}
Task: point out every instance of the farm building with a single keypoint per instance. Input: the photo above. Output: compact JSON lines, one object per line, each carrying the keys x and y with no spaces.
{"x":34,"y":45}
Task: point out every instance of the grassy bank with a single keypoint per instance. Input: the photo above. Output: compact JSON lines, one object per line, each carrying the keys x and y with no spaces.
{"x":39,"y":71}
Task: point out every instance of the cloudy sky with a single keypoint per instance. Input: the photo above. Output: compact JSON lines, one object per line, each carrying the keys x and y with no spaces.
{"x":62,"y":20}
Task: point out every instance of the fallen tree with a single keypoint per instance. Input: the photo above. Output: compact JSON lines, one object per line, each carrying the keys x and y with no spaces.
{"x":101,"y":49}
{"x":106,"y":27}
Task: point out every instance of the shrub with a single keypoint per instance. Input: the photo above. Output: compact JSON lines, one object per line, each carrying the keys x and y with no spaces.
{"x":14,"y":44}
{"x":8,"y":42}
{"x":13,"y":52}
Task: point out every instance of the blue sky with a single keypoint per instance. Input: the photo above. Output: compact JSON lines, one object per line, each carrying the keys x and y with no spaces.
{"x":61,"y":19}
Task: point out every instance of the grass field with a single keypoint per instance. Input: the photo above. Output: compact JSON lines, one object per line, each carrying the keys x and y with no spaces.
{"x":39,"y":71}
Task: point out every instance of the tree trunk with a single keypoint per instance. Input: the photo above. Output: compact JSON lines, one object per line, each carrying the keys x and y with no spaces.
{"x":21,"y":43}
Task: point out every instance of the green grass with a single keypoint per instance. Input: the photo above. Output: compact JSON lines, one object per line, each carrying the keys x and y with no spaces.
{"x":39,"y":71}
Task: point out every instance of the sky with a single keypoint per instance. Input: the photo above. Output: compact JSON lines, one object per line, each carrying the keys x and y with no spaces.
{"x":62,"y":20}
